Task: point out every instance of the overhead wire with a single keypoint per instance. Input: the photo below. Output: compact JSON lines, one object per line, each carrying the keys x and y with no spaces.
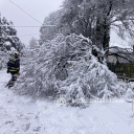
{"x":27,"y":26}
{"x":28,"y":35}
{"x":24,"y":11}
{"x":29,"y":16}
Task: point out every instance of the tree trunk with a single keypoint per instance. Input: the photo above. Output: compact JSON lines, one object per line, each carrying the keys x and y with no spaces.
{"x":103,"y":29}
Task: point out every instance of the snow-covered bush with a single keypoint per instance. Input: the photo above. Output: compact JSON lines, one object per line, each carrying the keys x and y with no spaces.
{"x":66,"y":66}
{"x":4,"y":55}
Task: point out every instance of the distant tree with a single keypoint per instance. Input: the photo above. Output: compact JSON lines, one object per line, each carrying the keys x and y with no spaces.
{"x":51,"y":26}
{"x":33,"y":43}
{"x":9,"y":34}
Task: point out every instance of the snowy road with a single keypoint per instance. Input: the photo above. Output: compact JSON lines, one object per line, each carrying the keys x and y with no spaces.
{"x":22,"y":115}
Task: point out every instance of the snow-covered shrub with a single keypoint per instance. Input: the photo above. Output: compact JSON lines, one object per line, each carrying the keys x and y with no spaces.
{"x":66,"y":66}
{"x":129,"y":96}
{"x":4,"y":55}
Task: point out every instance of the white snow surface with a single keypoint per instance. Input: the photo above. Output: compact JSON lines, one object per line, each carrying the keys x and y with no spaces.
{"x":113,"y":44}
{"x":7,"y":43}
{"x":23,"y":115}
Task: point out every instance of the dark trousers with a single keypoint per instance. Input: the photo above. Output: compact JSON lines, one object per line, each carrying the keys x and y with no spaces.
{"x":12,"y":80}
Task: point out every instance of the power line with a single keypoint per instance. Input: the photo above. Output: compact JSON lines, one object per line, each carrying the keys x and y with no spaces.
{"x":25,"y":12}
{"x":27,"y":35}
{"x":28,"y":26}
{"x":17,"y":26}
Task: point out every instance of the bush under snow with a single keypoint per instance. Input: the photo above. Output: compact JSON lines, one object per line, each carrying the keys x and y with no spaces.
{"x":4,"y":55}
{"x":66,"y":66}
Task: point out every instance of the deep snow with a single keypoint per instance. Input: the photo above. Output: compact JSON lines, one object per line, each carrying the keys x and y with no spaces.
{"x":23,"y":115}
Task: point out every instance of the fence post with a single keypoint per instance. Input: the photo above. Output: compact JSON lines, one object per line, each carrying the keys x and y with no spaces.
{"x":133,"y":49}
{"x":130,"y":70}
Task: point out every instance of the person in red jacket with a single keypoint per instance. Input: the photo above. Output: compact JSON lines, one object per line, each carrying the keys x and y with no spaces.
{"x":13,"y":67}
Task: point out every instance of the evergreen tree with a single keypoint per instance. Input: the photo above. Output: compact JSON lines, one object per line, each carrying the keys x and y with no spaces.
{"x":33,"y":43}
{"x":9,"y":36}
{"x":9,"y":41}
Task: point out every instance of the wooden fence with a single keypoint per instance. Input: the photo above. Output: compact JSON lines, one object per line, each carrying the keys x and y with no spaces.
{"x":123,"y":70}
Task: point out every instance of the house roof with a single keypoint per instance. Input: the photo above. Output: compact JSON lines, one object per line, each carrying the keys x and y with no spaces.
{"x":124,"y":55}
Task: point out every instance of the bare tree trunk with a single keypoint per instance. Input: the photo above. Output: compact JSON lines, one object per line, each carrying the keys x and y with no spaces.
{"x":106,"y":38}
{"x":103,"y":29}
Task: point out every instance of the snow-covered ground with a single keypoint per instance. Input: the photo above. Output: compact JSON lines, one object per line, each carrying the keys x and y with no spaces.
{"x":23,"y":115}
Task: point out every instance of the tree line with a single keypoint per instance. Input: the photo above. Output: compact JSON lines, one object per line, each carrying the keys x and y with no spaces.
{"x":93,"y":19}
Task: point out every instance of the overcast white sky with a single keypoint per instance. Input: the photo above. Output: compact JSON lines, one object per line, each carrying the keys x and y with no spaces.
{"x":39,"y":9}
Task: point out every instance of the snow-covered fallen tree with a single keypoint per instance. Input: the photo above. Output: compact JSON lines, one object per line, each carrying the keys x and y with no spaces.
{"x":66,"y":66}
